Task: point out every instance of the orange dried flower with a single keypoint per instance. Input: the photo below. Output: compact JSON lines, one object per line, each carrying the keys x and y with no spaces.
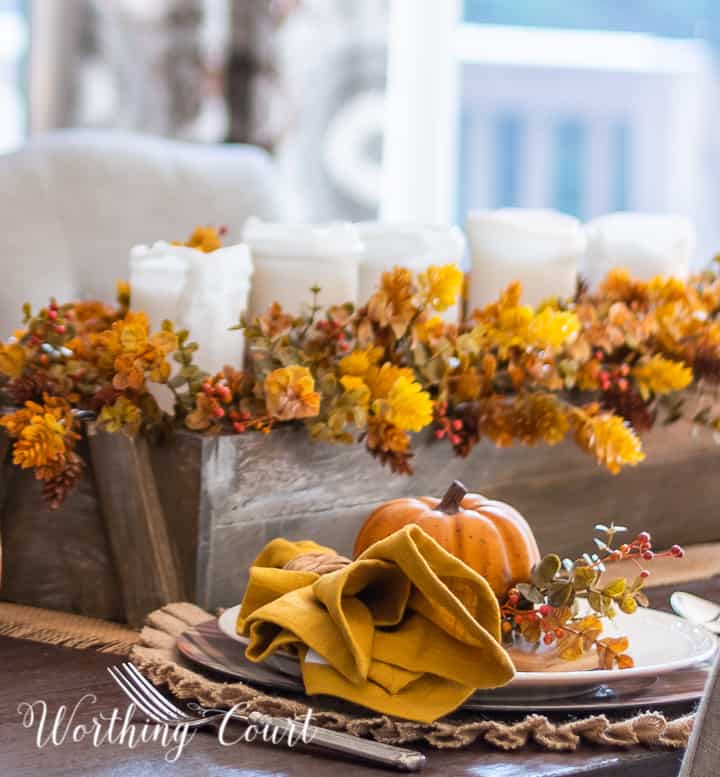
{"x":392,"y":305}
{"x":290,"y":393}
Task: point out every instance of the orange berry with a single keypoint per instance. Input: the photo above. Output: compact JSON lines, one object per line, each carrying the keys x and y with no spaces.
{"x":559,"y":633}
{"x":549,"y":638}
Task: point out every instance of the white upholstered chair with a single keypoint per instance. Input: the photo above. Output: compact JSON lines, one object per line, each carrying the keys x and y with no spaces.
{"x":73,"y":202}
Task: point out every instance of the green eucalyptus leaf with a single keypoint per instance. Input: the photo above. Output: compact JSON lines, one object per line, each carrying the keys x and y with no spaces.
{"x":616,"y":588}
{"x":584,"y":577}
{"x":544,"y":572}
{"x":531,"y":593}
{"x":595,"y":600}
{"x":561,"y":594}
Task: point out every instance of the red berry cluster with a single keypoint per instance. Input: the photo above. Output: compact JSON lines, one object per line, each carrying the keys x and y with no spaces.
{"x":447,"y":427}
{"x":220,"y":393}
{"x":616,"y":377}
{"x":543,"y":614}
{"x":641,"y":548}
{"x":239,"y":420}
{"x":335,"y":331}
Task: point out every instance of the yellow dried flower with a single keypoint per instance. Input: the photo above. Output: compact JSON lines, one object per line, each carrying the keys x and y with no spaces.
{"x":552,"y":328}
{"x":133,"y":354}
{"x":510,"y":298}
{"x":122,"y":414}
{"x":381,"y":379}
{"x":430,"y":329}
{"x":205,"y":239}
{"x":587,"y":378}
{"x":384,"y":436}
{"x":359,"y":361}
{"x":538,"y":417}
{"x":407,"y":406}
{"x":14,"y":423}
{"x":357,"y":388}
{"x":620,"y":286}
{"x":290,"y":393}
{"x":515,"y":321}
{"x":468,"y":385}
{"x":658,"y":375}
{"x":42,"y":445}
{"x":609,"y":438}
{"x":12,"y":359}
{"x":440,"y":286}
{"x":663,"y":288}
{"x":122,"y":293}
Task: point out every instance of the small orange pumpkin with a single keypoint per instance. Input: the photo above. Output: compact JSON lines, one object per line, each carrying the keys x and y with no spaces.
{"x":489,"y":536}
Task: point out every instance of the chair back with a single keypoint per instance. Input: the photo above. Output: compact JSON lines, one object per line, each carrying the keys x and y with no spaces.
{"x":75,"y":201}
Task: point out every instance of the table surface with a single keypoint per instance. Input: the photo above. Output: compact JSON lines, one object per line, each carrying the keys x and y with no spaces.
{"x":31,"y":671}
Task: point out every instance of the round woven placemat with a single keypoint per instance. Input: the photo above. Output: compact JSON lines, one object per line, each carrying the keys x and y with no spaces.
{"x":156,"y":655}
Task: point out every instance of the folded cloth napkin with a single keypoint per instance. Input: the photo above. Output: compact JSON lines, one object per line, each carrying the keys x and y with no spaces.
{"x":407,"y":629}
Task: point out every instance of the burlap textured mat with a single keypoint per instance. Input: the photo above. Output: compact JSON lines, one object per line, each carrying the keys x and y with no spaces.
{"x":157,"y":657}
{"x":64,"y":628}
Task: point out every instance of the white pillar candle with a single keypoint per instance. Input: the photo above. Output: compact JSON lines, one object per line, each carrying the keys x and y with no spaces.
{"x":290,"y":259}
{"x":539,"y":248}
{"x":412,"y":246}
{"x":205,"y":293}
{"x":645,"y":244}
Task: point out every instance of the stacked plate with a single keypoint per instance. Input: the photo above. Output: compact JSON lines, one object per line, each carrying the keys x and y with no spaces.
{"x":671,"y":656}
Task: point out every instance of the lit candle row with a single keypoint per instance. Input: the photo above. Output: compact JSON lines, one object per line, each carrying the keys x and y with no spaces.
{"x":543,"y":249}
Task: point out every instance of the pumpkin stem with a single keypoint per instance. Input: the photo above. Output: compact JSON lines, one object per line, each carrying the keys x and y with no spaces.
{"x":450,"y":503}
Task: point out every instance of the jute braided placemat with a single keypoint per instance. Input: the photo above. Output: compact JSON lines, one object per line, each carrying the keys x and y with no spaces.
{"x":156,"y":655}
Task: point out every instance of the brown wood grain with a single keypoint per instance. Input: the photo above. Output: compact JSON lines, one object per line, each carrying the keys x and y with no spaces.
{"x":58,"y":559}
{"x":255,"y":488}
{"x":30,"y":671}
{"x":142,"y":549}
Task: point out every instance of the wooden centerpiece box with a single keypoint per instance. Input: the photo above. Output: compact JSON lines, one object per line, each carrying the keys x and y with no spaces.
{"x":151,"y":524}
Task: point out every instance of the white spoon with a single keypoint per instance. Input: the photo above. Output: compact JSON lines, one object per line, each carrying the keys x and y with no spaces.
{"x":697,"y":610}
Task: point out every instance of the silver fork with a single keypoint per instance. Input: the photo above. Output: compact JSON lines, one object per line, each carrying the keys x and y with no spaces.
{"x":146,"y":697}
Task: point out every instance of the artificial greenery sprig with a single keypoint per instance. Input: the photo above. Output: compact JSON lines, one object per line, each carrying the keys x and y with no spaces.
{"x":565,"y":602}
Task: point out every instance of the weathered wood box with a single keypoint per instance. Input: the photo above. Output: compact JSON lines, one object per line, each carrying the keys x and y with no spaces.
{"x":152,"y":524}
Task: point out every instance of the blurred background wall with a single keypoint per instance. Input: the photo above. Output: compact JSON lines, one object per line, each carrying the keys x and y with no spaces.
{"x":412,"y":109}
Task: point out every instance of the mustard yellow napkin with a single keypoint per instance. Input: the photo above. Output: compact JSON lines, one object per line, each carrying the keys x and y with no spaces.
{"x":407,"y":629}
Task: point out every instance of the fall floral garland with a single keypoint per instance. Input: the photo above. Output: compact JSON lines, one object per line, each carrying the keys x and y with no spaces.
{"x":600,"y":367}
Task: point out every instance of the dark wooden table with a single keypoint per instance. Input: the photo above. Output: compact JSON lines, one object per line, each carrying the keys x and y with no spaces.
{"x":31,"y":671}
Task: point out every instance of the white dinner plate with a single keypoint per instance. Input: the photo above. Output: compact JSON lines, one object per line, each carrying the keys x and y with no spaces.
{"x":659,"y":643}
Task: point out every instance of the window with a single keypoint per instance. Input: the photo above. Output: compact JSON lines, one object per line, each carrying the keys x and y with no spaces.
{"x":13,"y":55}
{"x":587,"y":106}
